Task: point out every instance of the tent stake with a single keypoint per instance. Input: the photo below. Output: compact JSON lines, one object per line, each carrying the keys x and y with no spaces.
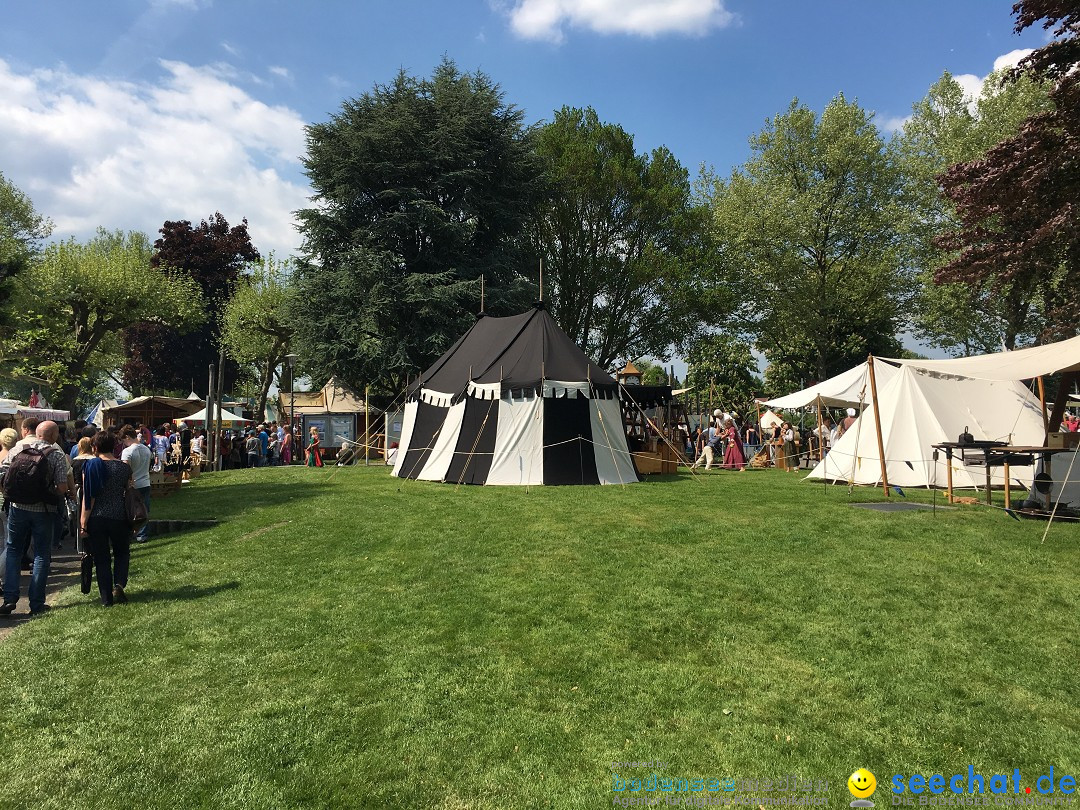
{"x":877,"y":424}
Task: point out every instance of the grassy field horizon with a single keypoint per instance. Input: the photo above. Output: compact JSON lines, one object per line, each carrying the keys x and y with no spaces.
{"x":346,"y":639}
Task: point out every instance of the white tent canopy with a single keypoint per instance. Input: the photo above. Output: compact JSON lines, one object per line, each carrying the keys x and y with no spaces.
{"x":843,"y":390}
{"x":920,"y":409}
{"x":227,"y":417}
{"x":1019,"y":364}
{"x":768,"y":419}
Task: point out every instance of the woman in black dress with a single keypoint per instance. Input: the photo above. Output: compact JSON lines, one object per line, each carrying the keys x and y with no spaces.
{"x":105,"y":480}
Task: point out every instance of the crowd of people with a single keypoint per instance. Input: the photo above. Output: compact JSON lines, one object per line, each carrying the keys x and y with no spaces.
{"x":731,"y":445}
{"x":79,"y":486}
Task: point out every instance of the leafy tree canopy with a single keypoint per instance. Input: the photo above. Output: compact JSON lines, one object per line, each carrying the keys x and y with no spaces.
{"x":1018,"y":232}
{"x":619,"y":237}
{"x":256,"y":325}
{"x":722,"y":367}
{"x":422,"y":186}
{"x":21,"y":232}
{"x":947,"y":128}
{"x":160,"y":357}
{"x":810,"y":243}
{"x":70,"y":307}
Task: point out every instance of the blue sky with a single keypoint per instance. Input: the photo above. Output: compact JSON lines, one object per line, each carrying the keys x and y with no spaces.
{"x":128,"y":113}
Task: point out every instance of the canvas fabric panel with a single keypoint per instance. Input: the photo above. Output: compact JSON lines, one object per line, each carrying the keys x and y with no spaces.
{"x":443,"y":451}
{"x":427,"y":426}
{"x":611,"y":455}
{"x":918,"y":411}
{"x":568,"y":454}
{"x":475,"y":443}
{"x":518,"y":457}
{"x":407,"y":423}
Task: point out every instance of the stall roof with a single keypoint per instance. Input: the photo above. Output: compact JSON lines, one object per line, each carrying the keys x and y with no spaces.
{"x":334,"y":397}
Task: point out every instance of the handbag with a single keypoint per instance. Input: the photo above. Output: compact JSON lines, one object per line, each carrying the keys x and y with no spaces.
{"x":135,"y":508}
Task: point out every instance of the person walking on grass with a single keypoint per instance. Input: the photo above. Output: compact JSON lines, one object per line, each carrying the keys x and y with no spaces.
{"x":104,"y":518}
{"x":138,"y":456}
{"x":35,"y":476}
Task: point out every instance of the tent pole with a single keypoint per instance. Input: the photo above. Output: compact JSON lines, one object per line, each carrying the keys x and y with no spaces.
{"x":1045,"y":414}
{"x":208,"y":412}
{"x":821,"y":445}
{"x":367,"y":408}
{"x":220,"y":393}
{"x":1065,"y":385}
{"x":877,"y":424}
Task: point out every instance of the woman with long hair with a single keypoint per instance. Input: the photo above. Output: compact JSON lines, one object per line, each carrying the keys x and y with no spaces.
{"x":734,"y":457}
{"x":314,"y":452}
{"x":286,"y":447}
{"x":105,"y":481}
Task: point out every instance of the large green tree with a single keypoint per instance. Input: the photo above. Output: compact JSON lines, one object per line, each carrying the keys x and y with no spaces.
{"x":257,"y":327}
{"x":422,"y":186}
{"x":70,"y":306}
{"x":946,"y":128}
{"x":22,"y":230}
{"x":1018,"y":231}
{"x":161,"y":358}
{"x":722,"y":368}
{"x":617,"y":233}
{"x":810,"y":243}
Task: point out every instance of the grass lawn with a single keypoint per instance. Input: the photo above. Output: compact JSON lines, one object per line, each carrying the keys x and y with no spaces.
{"x":345,"y":639}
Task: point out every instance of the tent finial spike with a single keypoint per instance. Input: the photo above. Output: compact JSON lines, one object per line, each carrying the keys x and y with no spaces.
{"x":481,"y":293}
{"x":541,"y":278}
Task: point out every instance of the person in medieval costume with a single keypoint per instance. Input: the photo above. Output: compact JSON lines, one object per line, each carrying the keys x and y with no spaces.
{"x":734,"y":458}
{"x":314,"y":452}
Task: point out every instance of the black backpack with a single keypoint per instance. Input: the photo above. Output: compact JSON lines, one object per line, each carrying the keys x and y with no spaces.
{"x":28,"y":479}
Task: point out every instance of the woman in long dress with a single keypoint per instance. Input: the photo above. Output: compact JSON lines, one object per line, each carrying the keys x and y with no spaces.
{"x":314,"y":458}
{"x":286,"y":448}
{"x":791,"y":450}
{"x":734,"y":458}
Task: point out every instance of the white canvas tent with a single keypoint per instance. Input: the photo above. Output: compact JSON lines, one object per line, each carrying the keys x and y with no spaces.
{"x":848,"y":389}
{"x":1025,"y":364}
{"x":919,"y":409}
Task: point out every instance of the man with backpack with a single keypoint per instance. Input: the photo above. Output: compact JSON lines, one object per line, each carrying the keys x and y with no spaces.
{"x":35,"y":481}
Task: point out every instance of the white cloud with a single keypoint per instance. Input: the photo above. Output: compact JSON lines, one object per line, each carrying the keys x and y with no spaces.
{"x":281,"y":72}
{"x":545,"y":19}
{"x":893,"y":124}
{"x":93,"y":152}
{"x":973,"y":85}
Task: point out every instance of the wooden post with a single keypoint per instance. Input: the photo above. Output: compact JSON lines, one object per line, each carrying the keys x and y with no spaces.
{"x":820,"y":431}
{"x":1008,"y":500}
{"x":821,"y":446}
{"x":1045,"y":415}
{"x":948,"y":474}
{"x":219,"y":391}
{"x":877,"y":424}
{"x":208,"y":411}
{"x":1065,"y":385}
{"x":367,"y":416}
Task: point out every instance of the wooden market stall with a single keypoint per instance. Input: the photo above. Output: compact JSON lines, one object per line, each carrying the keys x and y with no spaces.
{"x":339,"y":414}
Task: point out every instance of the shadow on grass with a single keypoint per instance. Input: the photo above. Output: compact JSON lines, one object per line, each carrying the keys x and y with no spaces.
{"x":228,"y":499}
{"x":184,"y":593}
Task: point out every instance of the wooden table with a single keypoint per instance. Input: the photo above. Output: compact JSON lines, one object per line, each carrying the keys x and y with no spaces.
{"x":998,"y":455}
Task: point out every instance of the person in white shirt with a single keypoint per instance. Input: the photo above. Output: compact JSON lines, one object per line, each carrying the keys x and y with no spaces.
{"x":139,"y":457}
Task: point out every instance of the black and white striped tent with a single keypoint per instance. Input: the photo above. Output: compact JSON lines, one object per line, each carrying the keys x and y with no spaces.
{"x":515,"y":402}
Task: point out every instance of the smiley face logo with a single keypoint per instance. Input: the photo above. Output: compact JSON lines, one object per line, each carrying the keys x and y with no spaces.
{"x":862,"y":784}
